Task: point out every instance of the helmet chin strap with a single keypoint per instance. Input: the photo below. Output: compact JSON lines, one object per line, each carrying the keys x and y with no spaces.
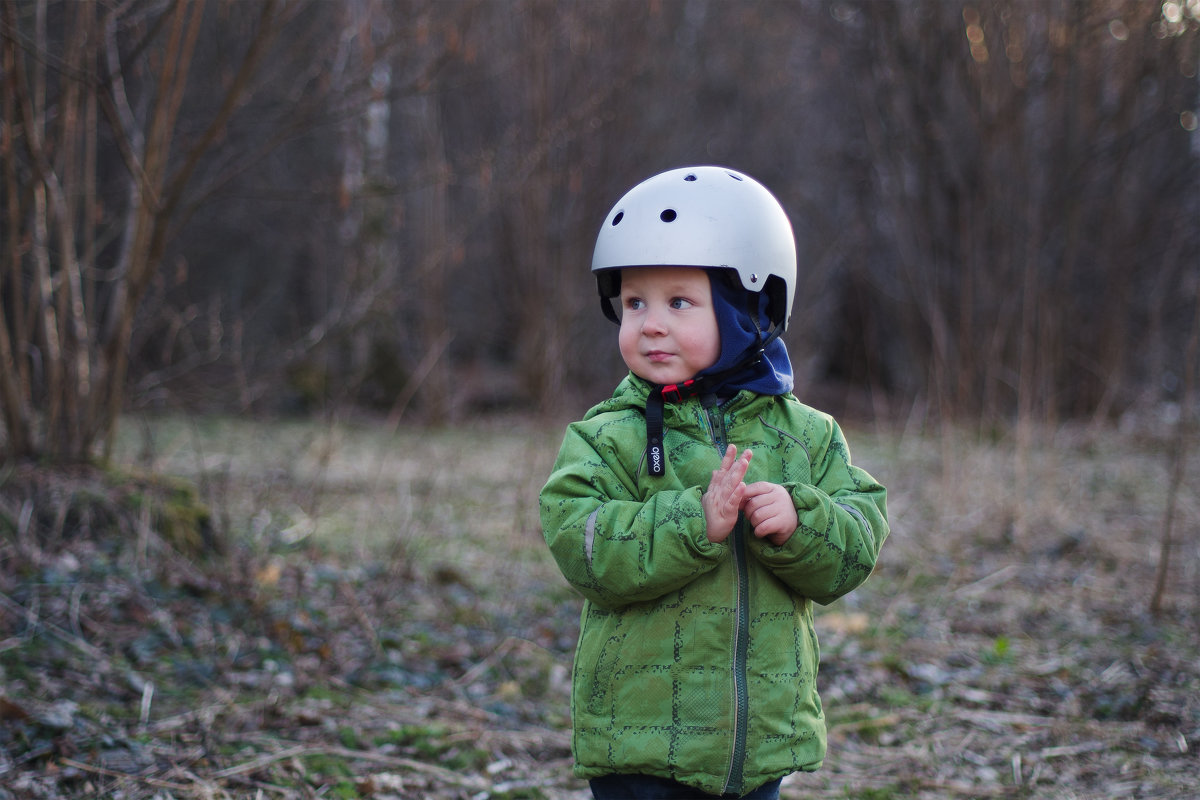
{"x":660,"y":393}
{"x":607,"y":307}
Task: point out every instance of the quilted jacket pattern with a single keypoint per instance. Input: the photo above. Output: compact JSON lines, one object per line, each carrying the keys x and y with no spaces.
{"x":698,"y":661}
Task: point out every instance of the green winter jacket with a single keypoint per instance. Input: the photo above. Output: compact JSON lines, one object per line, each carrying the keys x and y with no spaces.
{"x":697,"y":661}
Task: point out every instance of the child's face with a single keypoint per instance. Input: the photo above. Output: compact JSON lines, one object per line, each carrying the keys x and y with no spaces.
{"x":668,"y":323}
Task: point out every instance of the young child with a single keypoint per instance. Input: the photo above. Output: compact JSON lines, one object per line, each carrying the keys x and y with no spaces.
{"x":702,"y":509}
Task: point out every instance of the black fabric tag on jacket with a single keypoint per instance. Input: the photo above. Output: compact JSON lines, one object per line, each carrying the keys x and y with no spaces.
{"x":656,"y":452}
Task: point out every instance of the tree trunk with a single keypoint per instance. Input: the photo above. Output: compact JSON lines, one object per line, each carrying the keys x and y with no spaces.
{"x":66,"y":321}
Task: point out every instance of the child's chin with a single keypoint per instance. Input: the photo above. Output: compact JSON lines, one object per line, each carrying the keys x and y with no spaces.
{"x":665,"y":379}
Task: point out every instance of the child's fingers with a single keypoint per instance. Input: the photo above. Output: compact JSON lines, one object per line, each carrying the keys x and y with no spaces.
{"x":769,"y":509}
{"x":759,"y":496}
{"x":726,"y":489}
{"x":727,"y":462}
{"x":759,"y":488}
{"x":732,"y":501}
{"x":719,"y":474}
{"x":755,"y":506}
{"x":765,"y":520}
{"x":732,"y":468}
{"x":741,"y":465}
{"x":729,"y":457}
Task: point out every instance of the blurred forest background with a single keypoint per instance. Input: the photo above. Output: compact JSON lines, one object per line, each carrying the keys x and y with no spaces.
{"x":243,"y":227}
{"x":390,"y":205}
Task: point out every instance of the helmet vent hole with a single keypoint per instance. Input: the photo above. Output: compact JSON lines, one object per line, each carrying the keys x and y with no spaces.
{"x":754,"y":278}
{"x":735,"y":177}
{"x":617,"y":219}
{"x":668,"y":215}
{"x":690,"y":178}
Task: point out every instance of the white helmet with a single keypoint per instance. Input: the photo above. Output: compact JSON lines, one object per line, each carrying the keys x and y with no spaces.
{"x":700,"y":217}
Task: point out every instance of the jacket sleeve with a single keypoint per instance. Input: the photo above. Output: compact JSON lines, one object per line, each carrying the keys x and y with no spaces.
{"x":842,"y":524}
{"x":612,"y":546}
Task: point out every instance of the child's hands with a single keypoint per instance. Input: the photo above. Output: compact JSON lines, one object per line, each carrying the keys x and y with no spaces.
{"x":725,"y":494}
{"x":767,"y":506}
{"x":769,"y":509}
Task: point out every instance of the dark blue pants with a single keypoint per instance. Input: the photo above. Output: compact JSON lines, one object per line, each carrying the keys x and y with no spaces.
{"x":647,"y":787}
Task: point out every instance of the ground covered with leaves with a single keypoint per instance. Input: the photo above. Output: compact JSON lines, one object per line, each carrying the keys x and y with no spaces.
{"x":336,"y":610}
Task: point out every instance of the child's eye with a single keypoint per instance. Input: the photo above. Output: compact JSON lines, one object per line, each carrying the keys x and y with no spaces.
{"x":680,"y":303}
{"x":634,"y":303}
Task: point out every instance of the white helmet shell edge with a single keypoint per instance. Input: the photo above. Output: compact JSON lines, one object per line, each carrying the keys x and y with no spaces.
{"x":707,"y":217}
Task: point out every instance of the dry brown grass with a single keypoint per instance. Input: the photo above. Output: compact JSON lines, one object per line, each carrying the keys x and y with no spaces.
{"x":388,"y":624}
{"x":1004,"y":647}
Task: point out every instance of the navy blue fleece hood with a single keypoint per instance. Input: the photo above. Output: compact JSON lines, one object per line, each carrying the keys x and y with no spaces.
{"x":739,"y":333}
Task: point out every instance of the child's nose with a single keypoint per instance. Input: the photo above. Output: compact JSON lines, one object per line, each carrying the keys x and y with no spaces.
{"x":653,"y":323}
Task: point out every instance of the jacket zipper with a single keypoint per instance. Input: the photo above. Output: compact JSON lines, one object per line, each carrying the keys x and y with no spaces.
{"x":741,"y":624}
{"x":733,"y":783}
